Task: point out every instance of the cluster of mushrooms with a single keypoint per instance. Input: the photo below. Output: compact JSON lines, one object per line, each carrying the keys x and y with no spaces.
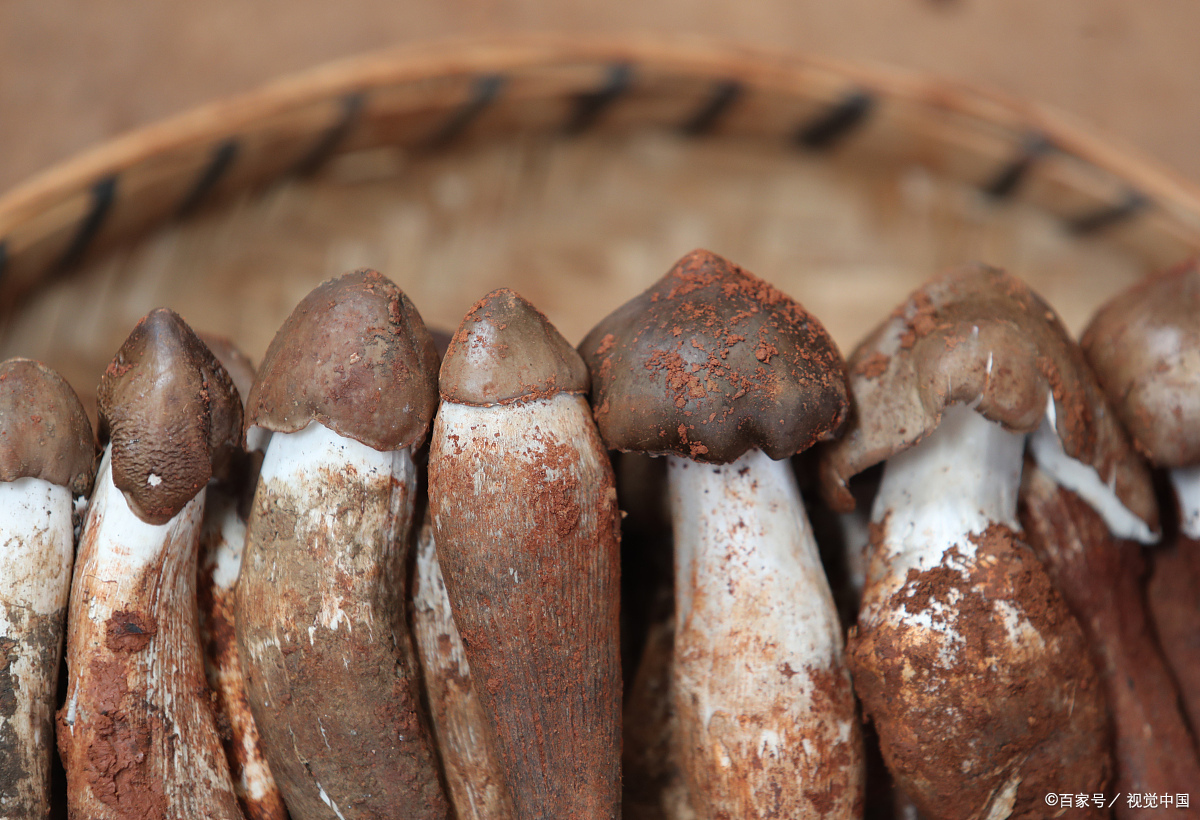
{"x":283,"y":603}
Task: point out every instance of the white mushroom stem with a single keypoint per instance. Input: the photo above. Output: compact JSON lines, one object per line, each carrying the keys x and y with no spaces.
{"x":766,"y":716}
{"x":934,"y":496}
{"x":474,"y":773}
{"x":322,"y":634}
{"x":137,"y":731}
{"x":37,"y":545}
{"x":1083,"y":480}
{"x":1186,"y":481}
{"x":222,"y":542}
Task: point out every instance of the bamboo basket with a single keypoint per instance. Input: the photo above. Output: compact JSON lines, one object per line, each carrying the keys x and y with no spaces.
{"x":576,"y":173}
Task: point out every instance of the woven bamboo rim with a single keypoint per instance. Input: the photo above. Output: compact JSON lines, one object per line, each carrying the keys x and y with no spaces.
{"x":451,"y":99}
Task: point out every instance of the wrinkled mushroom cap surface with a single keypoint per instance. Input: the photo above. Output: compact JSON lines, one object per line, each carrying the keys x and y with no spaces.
{"x":506,"y":351}
{"x":980,"y":337}
{"x":1144,"y":347}
{"x":170,"y":411}
{"x":44,"y":431}
{"x":354,"y":356}
{"x":710,"y":362}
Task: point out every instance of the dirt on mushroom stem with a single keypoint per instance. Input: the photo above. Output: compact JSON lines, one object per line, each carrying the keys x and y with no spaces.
{"x":466,"y":742}
{"x":1175,"y":607}
{"x":137,"y":734}
{"x":1100,"y":577}
{"x":524,"y":513}
{"x":222,"y":542}
{"x":38,"y":548}
{"x":331,"y":673}
{"x":946,"y":714}
{"x":766,"y":715}
{"x":974,"y":672}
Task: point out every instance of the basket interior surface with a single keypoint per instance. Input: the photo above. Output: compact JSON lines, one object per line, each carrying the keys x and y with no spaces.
{"x":575,"y":176}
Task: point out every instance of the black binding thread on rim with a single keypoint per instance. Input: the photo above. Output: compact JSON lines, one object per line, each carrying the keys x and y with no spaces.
{"x":1006,"y":182}
{"x":724,"y":94}
{"x":485,"y":90}
{"x":1132,"y":204}
{"x":220,"y":162}
{"x":832,"y":126}
{"x":590,"y":105}
{"x":104,"y":192}
{"x":323,"y":149}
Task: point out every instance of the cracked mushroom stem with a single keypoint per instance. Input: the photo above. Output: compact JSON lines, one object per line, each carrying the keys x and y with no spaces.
{"x":1144,"y":346}
{"x":137,"y":709}
{"x":523,"y":505}
{"x":729,"y":377}
{"x":972,"y":669}
{"x":1101,"y":578}
{"x":47,"y":460}
{"x":348,"y":387}
{"x":465,"y":739}
{"x":222,"y":544}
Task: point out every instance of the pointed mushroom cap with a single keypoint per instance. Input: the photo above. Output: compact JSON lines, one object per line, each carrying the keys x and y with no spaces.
{"x":1144,"y":346}
{"x":506,"y":351}
{"x":710,"y":362}
{"x":354,"y":356}
{"x":44,"y":431}
{"x":980,"y":337}
{"x":170,"y":410}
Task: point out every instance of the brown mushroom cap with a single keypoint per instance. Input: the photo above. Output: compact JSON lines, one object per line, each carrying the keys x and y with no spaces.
{"x":1144,"y":347}
{"x":170,"y":410}
{"x":44,"y":431}
{"x":354,"y":356}
{"x":981,"y":337}
{"x":236,"y":363}
{"x":506,"y":351}
{"x":710,"y":362}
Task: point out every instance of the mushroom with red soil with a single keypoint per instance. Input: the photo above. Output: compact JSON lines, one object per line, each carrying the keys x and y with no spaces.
{"x":466,"y":742}
{"x":525,"y":518}
{"x":1144,"y":346}
{"x":222,"y":544}
{"x":47,"y":460}
{"x":968,"y":661}
{"x":137,"y":733}
{"x":728,"y":377}
{"x":348,"y":387}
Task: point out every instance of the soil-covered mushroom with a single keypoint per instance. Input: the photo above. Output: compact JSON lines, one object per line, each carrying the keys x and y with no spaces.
{"x":1101,"y":577}
{"x":137,"y":734}
{"x":466,"y":742}
{"x":524,"y":514}
{"x":728,"y":378}
{"x":1144,"y":346}
{"x":967,"y":660}
{"x":47,"y":461}
{"x":222,"y":545}
{"x":348,"y":387}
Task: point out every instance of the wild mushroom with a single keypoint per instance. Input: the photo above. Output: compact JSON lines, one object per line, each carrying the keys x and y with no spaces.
{"x":968,"y":662}
{"x":466,"y":742}
{"x":47,"y":460}
{"x":348,"y":387}
{"x":1100,"y":576}
{"x":222,"y":544}
{"x":1144,"y":346}
{"x":524,"y":515}
{"x":137,"y":734}
{"x":729,"y":378}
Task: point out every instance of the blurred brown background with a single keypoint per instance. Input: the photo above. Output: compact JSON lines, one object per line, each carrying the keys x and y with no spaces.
{"x":74,"y":74}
